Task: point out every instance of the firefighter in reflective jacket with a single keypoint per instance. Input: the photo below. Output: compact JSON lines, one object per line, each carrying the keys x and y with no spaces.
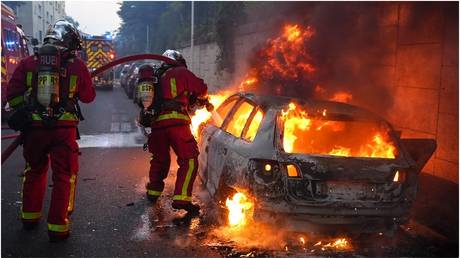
{"x":171,"y":128}
{"x":49,"y":86}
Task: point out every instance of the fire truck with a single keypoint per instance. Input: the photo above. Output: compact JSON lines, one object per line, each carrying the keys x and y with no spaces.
{"x":14,"y":48}
{"x":98,"y":52}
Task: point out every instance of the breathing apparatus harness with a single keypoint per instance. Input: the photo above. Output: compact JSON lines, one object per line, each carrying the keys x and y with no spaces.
{"x":159,"y":104}
{"x":49,"y":95}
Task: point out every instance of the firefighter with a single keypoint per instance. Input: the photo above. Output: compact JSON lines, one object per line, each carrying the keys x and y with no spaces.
{"x":44,"y":91}
{"x":171,"y":128}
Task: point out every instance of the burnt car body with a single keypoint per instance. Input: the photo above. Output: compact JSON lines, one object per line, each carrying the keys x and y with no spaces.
{"x":327,"y":193}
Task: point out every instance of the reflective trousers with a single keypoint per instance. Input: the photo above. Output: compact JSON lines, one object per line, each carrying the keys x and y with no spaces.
{"x":184,"y":145}
{"x":43,"y":146}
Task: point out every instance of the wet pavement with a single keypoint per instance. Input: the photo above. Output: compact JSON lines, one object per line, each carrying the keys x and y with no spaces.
{"x":113,"y":218}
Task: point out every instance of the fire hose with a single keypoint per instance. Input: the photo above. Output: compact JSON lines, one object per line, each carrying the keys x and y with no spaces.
{"x":14,"y":145}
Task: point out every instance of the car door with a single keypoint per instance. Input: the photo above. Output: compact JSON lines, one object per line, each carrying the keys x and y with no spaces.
{"x":229,"y":147}
{"x":210,"y":146}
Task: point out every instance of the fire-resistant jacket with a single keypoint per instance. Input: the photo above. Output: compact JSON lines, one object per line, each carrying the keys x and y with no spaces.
{"x":24,"y":79}
{"x":178,"y":83}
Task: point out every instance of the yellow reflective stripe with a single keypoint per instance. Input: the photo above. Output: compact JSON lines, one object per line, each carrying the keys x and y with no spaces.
{"x":31,"y":215}
{"x":36,"y":117}
{"x":173,"y":87}
{"x":68,"y":116}
{"x":153,"y":193}
{"x":191,"y":167}
{"x":3,"y":70}
{"x":72,"y":85}
{"x":182,"y":198}
{"x":29,"y":80}
{"x":72,"y":193}
{"x":173,"y":115}
{"x":16,"y":101}
{"x":59,"y":228}
{"x":65,"y":117}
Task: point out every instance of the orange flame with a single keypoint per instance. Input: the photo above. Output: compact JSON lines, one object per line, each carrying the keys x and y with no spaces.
{"x":293,"y":119}
{"x":202,"y":115}
{"x":297,"y":125}
{"x":285,"y":56}
{"x":239,"y":207}
{"x":342,"y":96}
{"x":339,"y":244}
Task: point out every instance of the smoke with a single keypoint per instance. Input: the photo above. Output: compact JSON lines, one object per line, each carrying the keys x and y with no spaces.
{"x":352,"y":50}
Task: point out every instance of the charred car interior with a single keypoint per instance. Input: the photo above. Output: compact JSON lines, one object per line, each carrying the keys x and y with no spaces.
{"x":312,"y":165}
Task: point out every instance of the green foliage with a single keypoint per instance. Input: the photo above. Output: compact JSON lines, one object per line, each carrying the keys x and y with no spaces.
{"x":230,"y":15}
{"x":169,"y":23}
{"x":166,"y":23}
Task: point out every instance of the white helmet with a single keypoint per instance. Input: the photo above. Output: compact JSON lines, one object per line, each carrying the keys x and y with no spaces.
{"x":175,"y":55}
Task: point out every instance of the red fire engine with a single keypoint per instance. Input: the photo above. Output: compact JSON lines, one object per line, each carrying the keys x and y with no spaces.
{"x":14,"y":47}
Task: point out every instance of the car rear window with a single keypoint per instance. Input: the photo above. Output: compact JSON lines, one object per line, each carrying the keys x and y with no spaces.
{"x":323,"y":135}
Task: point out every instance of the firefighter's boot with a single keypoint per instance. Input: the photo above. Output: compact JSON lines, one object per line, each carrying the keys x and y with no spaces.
{"x":29,"y":224}
{"x":58,"y":236}
{"x":151,"y":198}
{"x":152,"y":195}
{"x":192,"y":209}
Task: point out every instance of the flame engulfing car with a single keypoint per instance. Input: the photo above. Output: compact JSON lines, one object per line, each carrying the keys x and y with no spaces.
{"x":312,"y":165}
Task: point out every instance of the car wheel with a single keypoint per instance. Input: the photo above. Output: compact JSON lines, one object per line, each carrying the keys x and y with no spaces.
{"x":223,"y":192}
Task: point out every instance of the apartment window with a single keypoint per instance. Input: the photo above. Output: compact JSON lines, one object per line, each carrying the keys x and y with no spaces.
{"x":39,"y":9}
{"x":40,"y":34}
{"x":52,"y":20}
{"x":47,"y":16}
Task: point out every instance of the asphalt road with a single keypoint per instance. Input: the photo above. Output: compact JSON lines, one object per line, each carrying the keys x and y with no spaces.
{"x":113,"y":218}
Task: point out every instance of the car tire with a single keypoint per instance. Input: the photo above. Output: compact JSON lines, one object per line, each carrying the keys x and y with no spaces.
{"x":222,"y":193}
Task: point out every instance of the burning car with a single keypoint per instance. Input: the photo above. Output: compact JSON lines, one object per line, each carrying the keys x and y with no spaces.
{"x":311,"y":165}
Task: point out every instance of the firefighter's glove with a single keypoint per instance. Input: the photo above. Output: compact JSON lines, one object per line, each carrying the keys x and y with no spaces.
{"x":20,"y":119}
{"x":209,"y":107}
{"x":145,"y":118}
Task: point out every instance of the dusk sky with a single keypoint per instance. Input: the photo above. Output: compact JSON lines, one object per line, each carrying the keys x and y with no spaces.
{"x":95,"y":17}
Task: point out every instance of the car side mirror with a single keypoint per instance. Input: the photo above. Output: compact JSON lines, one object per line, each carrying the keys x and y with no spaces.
{"x":34,"y":42}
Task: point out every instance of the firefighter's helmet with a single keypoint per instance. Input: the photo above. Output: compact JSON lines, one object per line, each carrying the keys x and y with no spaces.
{"x":146,"y":71}
{"x":145,"y":86}
{"x":175,"y":55}
{"x":64,"y":34}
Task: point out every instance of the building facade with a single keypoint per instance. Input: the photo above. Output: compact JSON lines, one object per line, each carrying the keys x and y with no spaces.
{"x":36,"y":16}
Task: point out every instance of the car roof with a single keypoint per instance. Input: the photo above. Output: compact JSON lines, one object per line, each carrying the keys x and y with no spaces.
{"x":312,"y":106}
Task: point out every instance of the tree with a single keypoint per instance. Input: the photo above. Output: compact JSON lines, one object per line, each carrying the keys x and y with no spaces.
{"x":168,"y":25}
